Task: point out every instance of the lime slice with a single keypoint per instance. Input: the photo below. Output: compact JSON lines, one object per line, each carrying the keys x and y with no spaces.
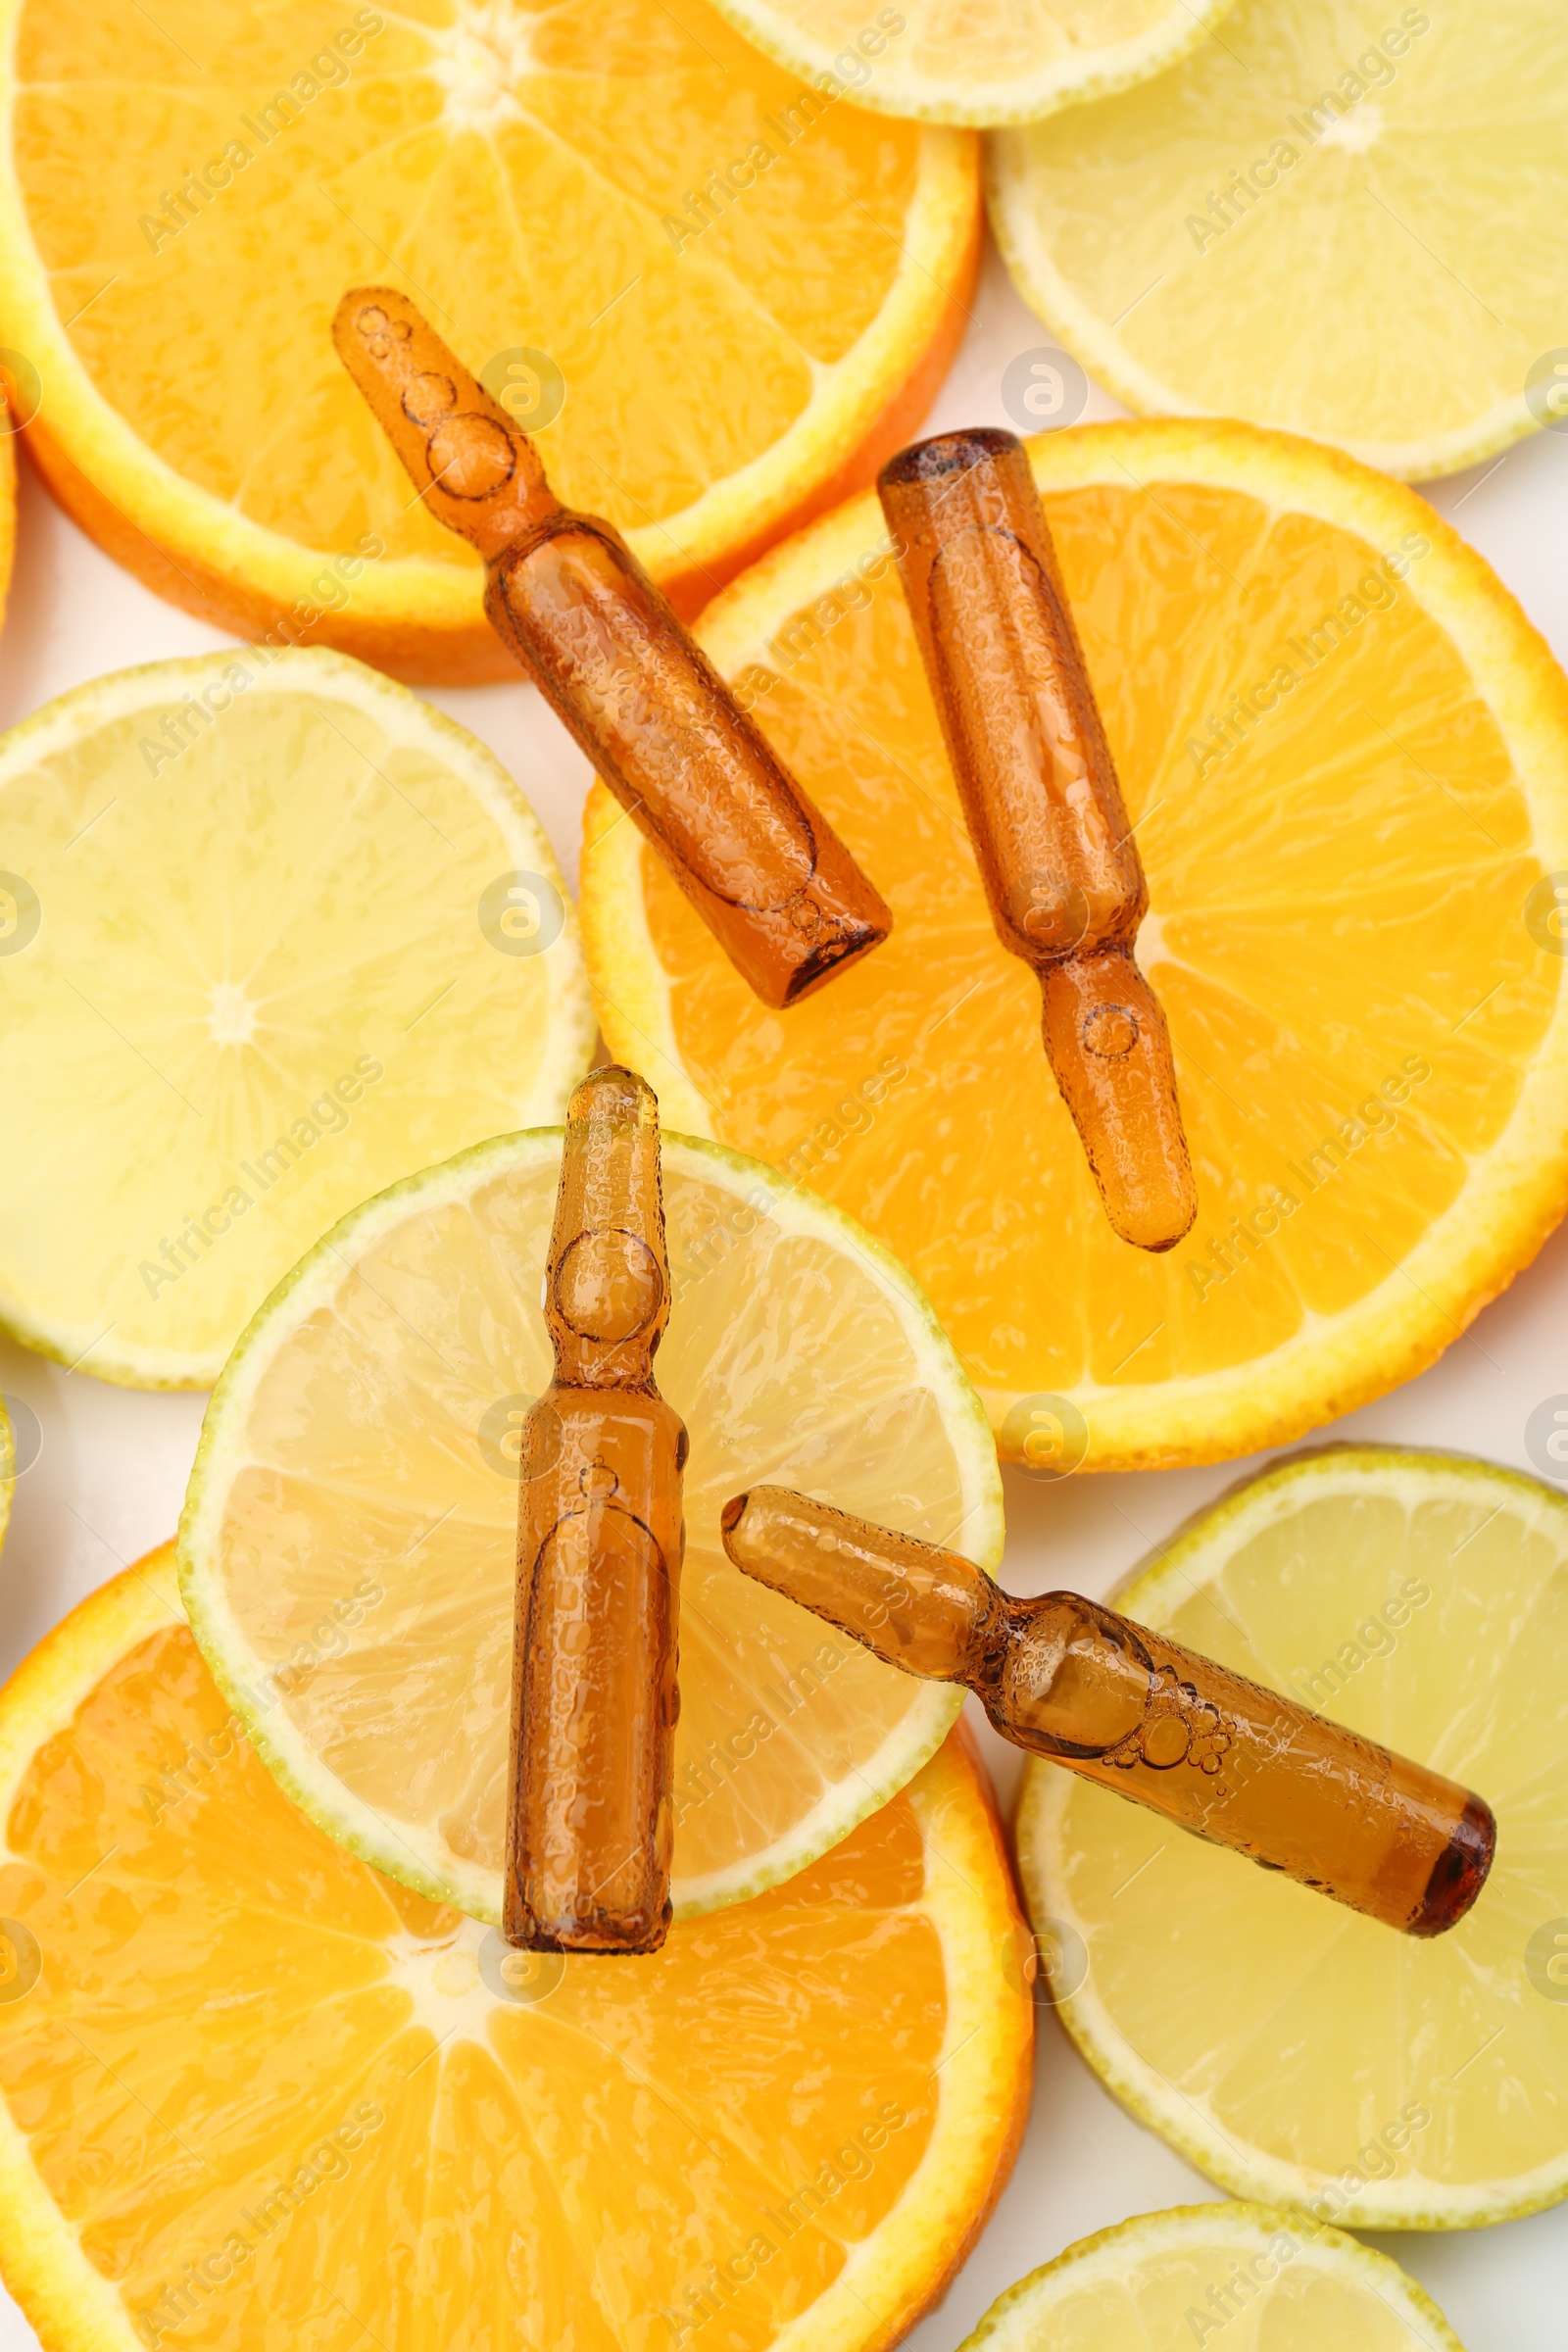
{"x":1290,"y":2048}
{"x":1183,"y":2277}
{"x":347,"y":1545}
{"x":1301,"y":225}
{"x":285,"y":934}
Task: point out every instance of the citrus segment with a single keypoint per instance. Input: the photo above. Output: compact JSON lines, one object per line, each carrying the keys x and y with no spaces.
{"x":976,"y":60}
{"x":603,"y":208}
{"x":1290,"y":2048}
{"x":289,"y":933}
{"x":1180,"y":2277}
{"x":348,"y":1540}
{"x":1297,"y":225}
{"x":1343,"y":750}
{"x":250,"y":2091}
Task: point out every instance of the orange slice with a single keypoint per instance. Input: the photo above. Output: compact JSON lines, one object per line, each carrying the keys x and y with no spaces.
{"x":251,"y":2093}
{"x":1346,"y":754}
{"x":719,"y":296}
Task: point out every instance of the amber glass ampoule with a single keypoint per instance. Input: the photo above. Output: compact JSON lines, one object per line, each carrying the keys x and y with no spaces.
{"x":1055,"y":852}
{"x":1066,"y":1679}
{"x":600,"y":1538}
{"x":761,"y":865}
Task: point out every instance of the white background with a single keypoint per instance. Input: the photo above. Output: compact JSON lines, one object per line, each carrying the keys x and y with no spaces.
{"x":111,"y":1474}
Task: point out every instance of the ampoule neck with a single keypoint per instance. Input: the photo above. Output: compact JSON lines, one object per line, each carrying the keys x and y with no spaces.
{"x":607,"y":1282}
{"x":582,"y":1363}
{"x":929,"y":1611}
{"x":476,"y":471}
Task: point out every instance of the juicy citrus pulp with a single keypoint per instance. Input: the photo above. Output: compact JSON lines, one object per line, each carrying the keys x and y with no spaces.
{"x":296,"y":934}
{"x":603,"y":207}
{"x":956,"y":61}
{"x":1296,"y":225}
{"x":350,"y":1534}
{"x":1346,"y":754}
{"x":1182,"y":2277}
{"x":1293,"y":2049}
{"x":251,"y":2092}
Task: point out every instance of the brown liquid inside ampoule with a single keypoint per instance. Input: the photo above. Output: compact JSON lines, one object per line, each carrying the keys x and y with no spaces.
{"x":1052,"y":838}
{"x":1066,"y":1679}
{"x":600,"y":1538}
{"x":761,"y":865}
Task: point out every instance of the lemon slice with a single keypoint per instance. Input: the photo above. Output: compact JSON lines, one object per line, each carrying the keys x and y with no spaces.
{"x":976,"y":60}
{"x":1184,"y":2276}
{"x":285,"y":934}
{"x":253,"y":2093}
{"x":1298,"y":226}
{"x":717,"y":298}
{"x":348,"y":1546}
{"x":1346,"y":754}
{"x":1288,"y":2048}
